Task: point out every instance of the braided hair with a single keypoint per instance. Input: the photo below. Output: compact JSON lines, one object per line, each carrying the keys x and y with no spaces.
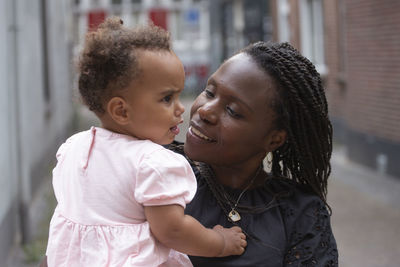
{"x":108,"y":61}
{"x":302,"y":111}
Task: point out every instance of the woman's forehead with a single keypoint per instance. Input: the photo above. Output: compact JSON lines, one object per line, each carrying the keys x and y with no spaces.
{"x":241,"y":74}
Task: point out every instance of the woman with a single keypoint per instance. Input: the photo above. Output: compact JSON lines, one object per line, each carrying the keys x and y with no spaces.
{"x":267,"y":101}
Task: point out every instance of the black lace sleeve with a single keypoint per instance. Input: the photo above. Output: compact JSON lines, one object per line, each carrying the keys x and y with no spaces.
{"x":311,"y":241}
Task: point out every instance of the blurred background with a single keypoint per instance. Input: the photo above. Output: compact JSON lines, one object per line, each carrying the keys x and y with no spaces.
{"x":355,"y":45}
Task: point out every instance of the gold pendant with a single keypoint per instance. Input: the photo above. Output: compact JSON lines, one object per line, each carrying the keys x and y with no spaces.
{"x":234,"y":216}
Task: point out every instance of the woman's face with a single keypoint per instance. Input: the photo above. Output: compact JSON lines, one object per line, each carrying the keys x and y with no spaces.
{"x":232,"y":120}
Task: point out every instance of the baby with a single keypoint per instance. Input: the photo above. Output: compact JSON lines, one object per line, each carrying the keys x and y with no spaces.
{"x":121,"y":195}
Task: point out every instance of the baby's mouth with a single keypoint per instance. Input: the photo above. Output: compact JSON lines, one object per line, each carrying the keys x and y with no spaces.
{"x":200,"y":135}
{"x":175,"y":130}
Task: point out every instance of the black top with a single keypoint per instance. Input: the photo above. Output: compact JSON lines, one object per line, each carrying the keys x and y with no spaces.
{"x":294,"y":231}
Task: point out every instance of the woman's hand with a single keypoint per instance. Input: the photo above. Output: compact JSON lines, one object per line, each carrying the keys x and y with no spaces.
{"x":235,"y":240}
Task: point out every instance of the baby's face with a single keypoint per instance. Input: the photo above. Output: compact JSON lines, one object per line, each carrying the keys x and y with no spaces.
{"x":153,"y":98}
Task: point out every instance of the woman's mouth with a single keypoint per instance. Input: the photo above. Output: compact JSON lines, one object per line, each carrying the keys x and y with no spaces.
{"x":197,"y":133}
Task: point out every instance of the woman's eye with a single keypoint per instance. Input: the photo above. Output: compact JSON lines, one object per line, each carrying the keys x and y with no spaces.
{"x":209,"y":93}
{"x":232,"y":112}
{"x":167,"y":98}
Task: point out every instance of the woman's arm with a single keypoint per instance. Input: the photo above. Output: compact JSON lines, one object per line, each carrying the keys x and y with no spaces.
{"x":183,"y":233}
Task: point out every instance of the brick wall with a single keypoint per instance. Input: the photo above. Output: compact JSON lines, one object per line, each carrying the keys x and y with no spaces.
{"x":362,"y":42}
{"x":372,"y":41}
{"x":294,"y":22}
{"x":334,"y":80}
{"x":273,"y":6}
{"x":362,"y":55}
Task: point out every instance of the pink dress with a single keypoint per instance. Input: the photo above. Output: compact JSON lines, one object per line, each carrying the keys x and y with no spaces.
{"x":102,"y":181}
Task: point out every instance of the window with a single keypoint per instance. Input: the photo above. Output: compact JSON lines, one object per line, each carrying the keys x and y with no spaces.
{"x":312,"y":33}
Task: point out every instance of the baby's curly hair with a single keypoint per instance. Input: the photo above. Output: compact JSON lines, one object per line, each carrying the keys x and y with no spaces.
{"x":109,"y":61}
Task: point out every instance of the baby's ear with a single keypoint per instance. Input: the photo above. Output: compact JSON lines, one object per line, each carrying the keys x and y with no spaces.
{"x":117,"y":109}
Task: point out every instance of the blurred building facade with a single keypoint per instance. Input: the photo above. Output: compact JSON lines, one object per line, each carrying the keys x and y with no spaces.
{"x":235,"y":24}
{"x":36,"y":106}
{"x":204,"y":32}
{"x":355,"y":46}
{"x":187,"y":20}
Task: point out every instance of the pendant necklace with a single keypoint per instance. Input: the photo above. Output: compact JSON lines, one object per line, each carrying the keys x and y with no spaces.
{"x":234,"y":214}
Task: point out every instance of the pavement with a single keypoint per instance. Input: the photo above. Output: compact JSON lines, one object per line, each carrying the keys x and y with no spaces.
{"x":366,"y":214}
{"x":365,"y":205}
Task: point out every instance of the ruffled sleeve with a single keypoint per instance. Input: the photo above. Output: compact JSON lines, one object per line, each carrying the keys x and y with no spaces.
{"x":311,"y":242}
{"x":164,"y":178}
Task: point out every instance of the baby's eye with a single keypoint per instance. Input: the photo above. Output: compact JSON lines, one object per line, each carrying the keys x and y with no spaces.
{"x":167,"y":99}
{"x":232,"y":112}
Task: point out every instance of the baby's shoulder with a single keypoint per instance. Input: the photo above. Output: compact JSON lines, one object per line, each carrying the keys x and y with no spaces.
{"x":77,"y":136}
{"x":164,"y":155}
{"x":148,"y":152}
{"x":73,"y":139}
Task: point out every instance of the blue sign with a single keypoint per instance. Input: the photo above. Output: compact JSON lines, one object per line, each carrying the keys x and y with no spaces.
{"x":192,"y":16}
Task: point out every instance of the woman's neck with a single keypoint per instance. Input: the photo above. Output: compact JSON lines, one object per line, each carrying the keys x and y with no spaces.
{"x":239,"y":176}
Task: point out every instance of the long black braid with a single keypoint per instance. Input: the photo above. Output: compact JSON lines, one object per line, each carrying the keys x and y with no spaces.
{"x":301,"y":108}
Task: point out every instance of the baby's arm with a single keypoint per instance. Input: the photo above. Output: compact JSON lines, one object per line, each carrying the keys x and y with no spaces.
{"x":183,"y":233}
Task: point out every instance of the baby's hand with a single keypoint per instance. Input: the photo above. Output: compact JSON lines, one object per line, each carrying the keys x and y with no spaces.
{"x":234,"y":239}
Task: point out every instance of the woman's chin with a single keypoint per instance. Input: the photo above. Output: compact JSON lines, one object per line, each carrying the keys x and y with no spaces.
{"x":190,"y":150}
{"x":194,"y":151}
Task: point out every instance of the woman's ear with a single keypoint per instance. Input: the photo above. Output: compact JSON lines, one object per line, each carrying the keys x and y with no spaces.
{"x":275,"y":139}
{"x":117,"y":109}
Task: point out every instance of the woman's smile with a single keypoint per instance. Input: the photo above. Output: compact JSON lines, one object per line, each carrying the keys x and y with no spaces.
{"x":199,"y":134}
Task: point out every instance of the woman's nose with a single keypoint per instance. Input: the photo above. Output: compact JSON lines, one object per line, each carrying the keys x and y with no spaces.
{"x":207,"y":112}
